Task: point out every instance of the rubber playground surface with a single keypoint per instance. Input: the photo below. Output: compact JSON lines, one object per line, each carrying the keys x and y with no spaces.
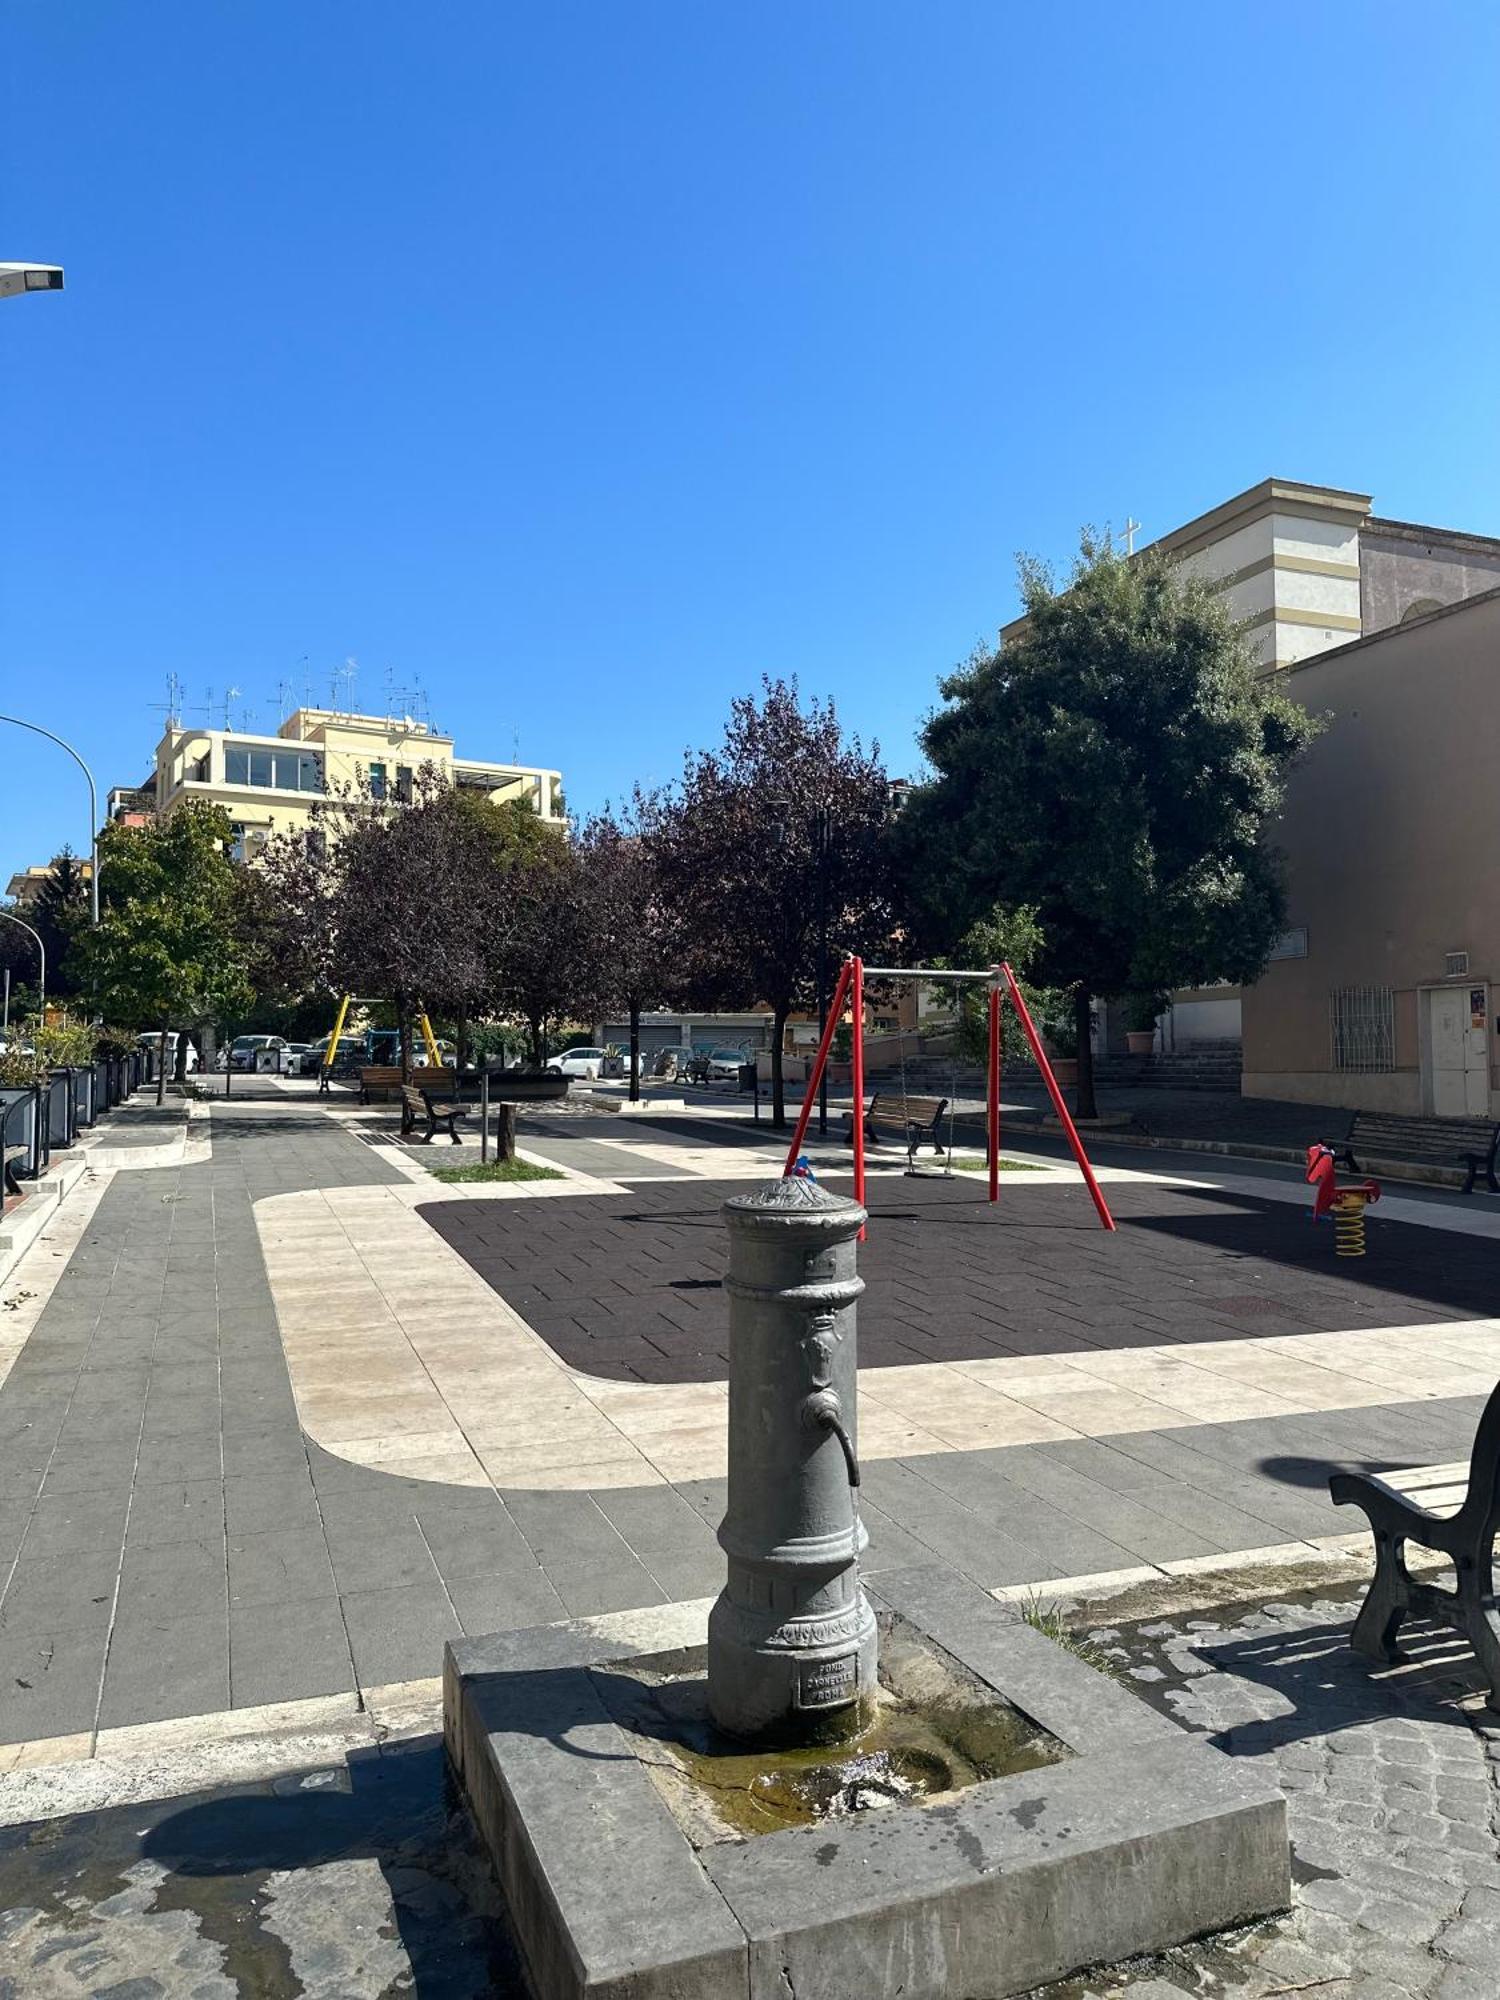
{"x":627,"y":1286}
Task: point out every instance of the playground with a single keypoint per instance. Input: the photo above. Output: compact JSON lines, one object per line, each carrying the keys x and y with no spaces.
{"x":625,"y":1286}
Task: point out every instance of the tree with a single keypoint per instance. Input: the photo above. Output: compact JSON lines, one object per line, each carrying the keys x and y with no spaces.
{"x":167,"y":951}
{"x":766,"y":842}
{"x":547,"y":969}
{"x":1113,"y":768}
{"x":59,"y":913}
{"x":629,"y":935}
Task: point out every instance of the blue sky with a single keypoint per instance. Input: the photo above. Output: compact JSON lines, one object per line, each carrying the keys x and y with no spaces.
{"x":580,"y":363}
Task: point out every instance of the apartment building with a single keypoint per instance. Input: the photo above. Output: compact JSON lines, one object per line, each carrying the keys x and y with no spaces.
{"x":267,"y":784}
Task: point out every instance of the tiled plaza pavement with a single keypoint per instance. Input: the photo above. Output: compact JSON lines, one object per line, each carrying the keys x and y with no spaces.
{"x":172,"y":1545}
{"x":627,"y":1286}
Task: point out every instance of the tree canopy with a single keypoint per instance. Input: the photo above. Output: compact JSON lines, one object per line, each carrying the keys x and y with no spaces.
{"x":1113,"y":768}
{"x":168,"y":950}
{"x":780,"y":828}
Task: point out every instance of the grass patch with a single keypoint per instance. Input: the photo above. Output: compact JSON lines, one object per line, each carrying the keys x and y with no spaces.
{"x":1048,"y":1620}
{"x":497,"y":1170}
{"x":1006,"y":1167}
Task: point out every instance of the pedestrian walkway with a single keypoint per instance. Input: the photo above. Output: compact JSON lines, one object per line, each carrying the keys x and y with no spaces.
{"x":272,"y":1437}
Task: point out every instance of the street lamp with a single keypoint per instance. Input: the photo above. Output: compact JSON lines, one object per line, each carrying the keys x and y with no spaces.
{"x":41,"y":952}
{"x":37,"y":728}
{"x":18,"y":279}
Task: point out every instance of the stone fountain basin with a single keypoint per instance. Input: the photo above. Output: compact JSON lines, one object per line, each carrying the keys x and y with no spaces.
{"x":1142,"y":1837}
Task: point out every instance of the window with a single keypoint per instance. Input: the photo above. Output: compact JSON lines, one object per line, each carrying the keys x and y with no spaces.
{"x":237,"y":840}
{"x":1455,"y":964}
{"x":1362,"y":1027}
{"x":273,"y":770}
{"x":377,"y":781}
{"x":403,"y":783}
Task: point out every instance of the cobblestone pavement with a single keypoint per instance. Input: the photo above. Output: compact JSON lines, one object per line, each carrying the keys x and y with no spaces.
{"x":1393,"y":1808}
{"x":356,"y":1880}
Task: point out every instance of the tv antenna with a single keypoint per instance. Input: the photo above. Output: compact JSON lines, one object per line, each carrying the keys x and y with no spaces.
{"x":171,"y":708}
{"x":231,"y":695}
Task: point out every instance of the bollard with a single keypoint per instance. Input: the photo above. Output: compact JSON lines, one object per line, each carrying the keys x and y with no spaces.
{"x":792,"y":1639}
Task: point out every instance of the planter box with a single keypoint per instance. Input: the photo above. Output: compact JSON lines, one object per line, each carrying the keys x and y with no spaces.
{"x":1140,"y":1041}
{"x":21,"y":1128}
{"x":83,"y":1097}
{"x":62,"y":1124}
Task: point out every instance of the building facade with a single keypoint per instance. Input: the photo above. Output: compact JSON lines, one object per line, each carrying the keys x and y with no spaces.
{"x":1382,"y":993}
{"x":268,"y":784}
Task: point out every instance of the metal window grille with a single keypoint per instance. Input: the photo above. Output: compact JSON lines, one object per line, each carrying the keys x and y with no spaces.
{"x":1362,"y":1027}
{"x":1455,"y":964}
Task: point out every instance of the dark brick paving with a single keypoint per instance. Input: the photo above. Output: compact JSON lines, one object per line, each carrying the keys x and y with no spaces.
{"x":627,"y":1286}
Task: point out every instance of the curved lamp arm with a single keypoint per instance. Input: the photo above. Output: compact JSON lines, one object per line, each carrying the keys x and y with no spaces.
{"x":63,"y":744}
{"x":41,"y":952}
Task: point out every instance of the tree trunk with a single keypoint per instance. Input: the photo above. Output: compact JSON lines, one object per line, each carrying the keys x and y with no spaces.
{"x":778,"y":1089}
{"x":179,"y":1067}
{"x":403,"y":1028}
{"x":461,"y":1039}
{"x":535,"y":1023}
{"x":635,"y":1051}
{"x":1083,"y":1101}
{"x":161,"y":1065}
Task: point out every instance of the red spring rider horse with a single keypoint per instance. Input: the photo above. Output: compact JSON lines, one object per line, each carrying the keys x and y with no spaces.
{"x":1346,"y":1204}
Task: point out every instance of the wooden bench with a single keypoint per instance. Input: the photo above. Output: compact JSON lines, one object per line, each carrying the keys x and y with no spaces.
{"x":417,"y":1103}
{"x":1447,"y":1142}
{"x":915,"y":1118}
{"x":1452,"y":1509}
{"x":382,"y":1077}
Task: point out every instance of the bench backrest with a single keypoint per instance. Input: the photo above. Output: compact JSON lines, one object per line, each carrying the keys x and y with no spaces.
{"x":892,"y":1108}
{"x":380,"y":1073}
{"x":1447,"y":1136}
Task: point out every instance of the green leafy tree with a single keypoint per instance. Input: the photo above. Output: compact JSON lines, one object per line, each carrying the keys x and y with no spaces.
{"x":1113,"y":769}
{"x":167,"y":952}
{"x":768,"y":843}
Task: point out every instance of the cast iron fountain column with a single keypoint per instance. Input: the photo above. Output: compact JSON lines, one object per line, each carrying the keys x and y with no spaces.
{"x":792,"y":1639}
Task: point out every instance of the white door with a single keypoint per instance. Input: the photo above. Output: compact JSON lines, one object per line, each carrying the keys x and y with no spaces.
{"x":1458,"y":1041}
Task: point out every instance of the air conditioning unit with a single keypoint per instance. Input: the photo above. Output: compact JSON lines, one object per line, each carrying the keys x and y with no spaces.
{"x":1455,"y":964}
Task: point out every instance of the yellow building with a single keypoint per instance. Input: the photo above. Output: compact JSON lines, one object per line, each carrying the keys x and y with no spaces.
{"x":267,"y":784}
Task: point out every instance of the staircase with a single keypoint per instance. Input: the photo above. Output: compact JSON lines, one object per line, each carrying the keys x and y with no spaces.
{"x":1206,"y":1065}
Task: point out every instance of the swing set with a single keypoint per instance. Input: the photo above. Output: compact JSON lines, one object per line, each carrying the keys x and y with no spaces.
{"x":1002,"y":984}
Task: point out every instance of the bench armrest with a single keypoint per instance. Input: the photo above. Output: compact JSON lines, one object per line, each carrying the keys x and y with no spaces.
{"x":1385,"y":1506}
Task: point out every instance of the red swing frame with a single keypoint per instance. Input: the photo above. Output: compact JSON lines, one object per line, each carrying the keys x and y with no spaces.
{"x":1002,"y":984}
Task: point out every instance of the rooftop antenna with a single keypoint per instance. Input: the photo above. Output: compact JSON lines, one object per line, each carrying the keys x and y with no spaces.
{"x":231,"y":694}
{"x":306,"y":683}
{"x":171,"y":708}
{"x":348,"y":673}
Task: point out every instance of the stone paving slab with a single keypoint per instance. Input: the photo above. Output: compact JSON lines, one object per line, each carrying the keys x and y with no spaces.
{"x":627,"y":1287}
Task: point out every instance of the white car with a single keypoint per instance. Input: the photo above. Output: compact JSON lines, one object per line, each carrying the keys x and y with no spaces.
{"x":726,"y":1064}
{"x":578,"y":1062}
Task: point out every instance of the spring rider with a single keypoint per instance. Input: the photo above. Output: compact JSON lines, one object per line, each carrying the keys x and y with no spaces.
{"x":1347,"y":1204}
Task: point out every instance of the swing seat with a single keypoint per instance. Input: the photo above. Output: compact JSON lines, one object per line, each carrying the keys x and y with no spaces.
{"x":915,"y":1118}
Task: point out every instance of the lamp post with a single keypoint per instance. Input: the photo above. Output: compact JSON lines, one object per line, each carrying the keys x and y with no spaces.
{"x":38,"y":730}
{"x":41,"y":952}
{"x":18,"y":279}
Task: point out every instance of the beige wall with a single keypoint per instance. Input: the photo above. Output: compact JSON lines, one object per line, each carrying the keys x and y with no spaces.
{"x":1392,"y":838}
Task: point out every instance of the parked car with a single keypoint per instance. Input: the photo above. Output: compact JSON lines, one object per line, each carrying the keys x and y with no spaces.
{"x":256,"y":1051}
{"x":349,"y":1055}
{"x":724,"y":1065}
{"x":578,"y":1062}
